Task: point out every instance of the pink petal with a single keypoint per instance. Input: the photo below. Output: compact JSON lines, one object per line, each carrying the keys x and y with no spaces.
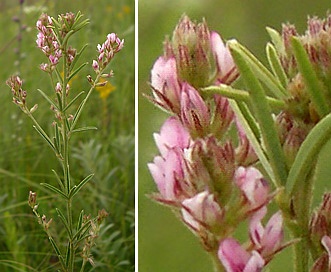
{"x":172,"y":134}
{"x":232,"y":255}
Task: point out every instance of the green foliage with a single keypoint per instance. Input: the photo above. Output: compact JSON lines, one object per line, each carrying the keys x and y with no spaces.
{"x":25,"y":161}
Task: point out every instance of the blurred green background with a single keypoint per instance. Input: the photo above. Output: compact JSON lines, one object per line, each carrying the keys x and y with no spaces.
{"x":26,"y":161}
{"x":165,"y":244}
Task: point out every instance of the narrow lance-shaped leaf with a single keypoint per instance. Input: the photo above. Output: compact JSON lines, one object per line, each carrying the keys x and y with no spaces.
{"x":263,"y":114}
{"x":48,"y":98}
{"x":58,"y":252}
{"x":308,"y":153}
{"x":77,"y":57}
{"x":77,"y":188}
{"x":254,"y":141}
{"x":275,"y":64}
{"x":54,"y":190}
{"x":73,"y":101}
{"x":77,"y":70}
{"x":58,"y":179}
{"x":314,"y":85}
{"x":44,"y":136}
{"x":276,"y":39}
{"x":64,"y":222}
{"x":83,"y":129}
{"x":261,"y":72}
{"x":240,"y":95}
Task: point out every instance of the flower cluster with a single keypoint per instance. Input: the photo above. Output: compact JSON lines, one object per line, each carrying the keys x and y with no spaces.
{"x":302,"y":113}
{"x":48,"y":42}
{"x":107,"y":51}
{"x":207,"y":178}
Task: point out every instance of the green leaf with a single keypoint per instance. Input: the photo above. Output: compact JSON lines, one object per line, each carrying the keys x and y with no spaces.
{"x":308,"y":153}
{"x":315,"y":87}
{"x":64,"y":222}
{"x":44,"y":136}
{"x":68,"y":254}
{"x":240,"y":95}
{"x":54,"y":190}
{"x":57,"y":139}
{"x":77,"y":70}
{"x":73,"y":101}
{"x":48,"y":98}
{"x":262,"y":113}
{"x":261,"y":72}
{"x":57,"y":251}
{"x":80,"y":220}
{"x":275,"y":65}
{"x":58,"y":179}
{"x":253,"y":139}
{"x":82,"y":231}
{"x":77,"y":188}
{"x":77,"y":57}
{"x":83,"y":129}
{"x":276,"y":39}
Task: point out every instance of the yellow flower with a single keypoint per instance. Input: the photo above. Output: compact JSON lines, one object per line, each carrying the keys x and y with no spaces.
{"x":104,"y":91}
{"x":126,"y":9}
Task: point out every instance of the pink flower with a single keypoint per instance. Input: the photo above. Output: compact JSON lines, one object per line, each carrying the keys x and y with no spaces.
{"x":168,"y":174}
{"x":172,"y":134}
{"x":165,"y":84}
{"x":202,"y":211}
{"x":236,"y":259}
{"x":194,"y":112}
{"x":253,"y":186}
{"x":267,"y":241}
{"x":227,"y":71}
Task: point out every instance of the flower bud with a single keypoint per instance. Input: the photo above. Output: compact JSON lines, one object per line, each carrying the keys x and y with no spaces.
{"x":236,"y":258}
{"x":195,"y":60}
{"x":202,"y":212}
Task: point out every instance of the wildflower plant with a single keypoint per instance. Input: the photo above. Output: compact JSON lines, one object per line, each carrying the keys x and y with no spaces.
{"x":61,"y":65}
{"x":227,"y":153}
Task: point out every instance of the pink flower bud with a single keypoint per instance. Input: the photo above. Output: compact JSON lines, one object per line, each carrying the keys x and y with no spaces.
{"x":267,"y":241}
{"x":226,"y":69}
{"x":202,"y":211}
{"x":165,"y":85}
{"x":58,"y":88}
{"x":234,"y":258}
{"x":95,"y":65}
{"x":253,"y":186}
{"x":172,"y":134}
{"x":168,"y":175}
{"x":194,"y":112}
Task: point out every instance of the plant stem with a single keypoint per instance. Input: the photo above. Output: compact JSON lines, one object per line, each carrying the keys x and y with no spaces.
{"x":302,"y":205}
{"x":218,"y":267}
